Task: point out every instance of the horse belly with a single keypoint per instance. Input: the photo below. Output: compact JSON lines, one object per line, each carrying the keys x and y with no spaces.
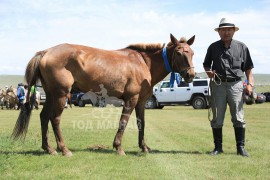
{"x":114,"y":85}
{"x":117,"y":84}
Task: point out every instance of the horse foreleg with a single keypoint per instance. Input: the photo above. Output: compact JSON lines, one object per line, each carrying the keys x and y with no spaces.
{"x":141,"y":124}
{"x":44,"y":120}
{"x":59,"y":105}
{"x":127,"y":110}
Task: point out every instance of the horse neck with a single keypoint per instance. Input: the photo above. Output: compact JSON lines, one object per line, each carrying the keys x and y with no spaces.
{"x":157,"y":67}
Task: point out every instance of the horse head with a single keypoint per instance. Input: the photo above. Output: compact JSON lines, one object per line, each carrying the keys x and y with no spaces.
{"x":182,"y":58}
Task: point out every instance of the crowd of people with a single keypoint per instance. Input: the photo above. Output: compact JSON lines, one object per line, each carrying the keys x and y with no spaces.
{"x":14,"y":98}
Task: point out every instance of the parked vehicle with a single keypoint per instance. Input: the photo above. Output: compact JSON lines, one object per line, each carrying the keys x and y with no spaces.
{"x":267,"y":95}
{"x":75,"y":96}
{"x":76,"y":99}
{"x":195,"y":94}
{"x":81,"y":99}
{"x":40,"y":89}
{"x":261,"y":98}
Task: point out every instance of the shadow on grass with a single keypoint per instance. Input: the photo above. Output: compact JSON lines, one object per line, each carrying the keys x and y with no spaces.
{"x":32,"y":152}
{"x":136,"y":153}
{"x":106,"y":151}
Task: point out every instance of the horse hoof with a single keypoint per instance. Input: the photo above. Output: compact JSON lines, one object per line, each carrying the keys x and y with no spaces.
{"x":146,"y":149}
{"x":67,"y":154}
{"x":51,"y":151}
{"x":54,"y":153}
{"x":121,"y":153}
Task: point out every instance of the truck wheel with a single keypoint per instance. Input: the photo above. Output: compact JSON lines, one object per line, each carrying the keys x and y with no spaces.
{"x":160,"y":107}
{"x":81,"y":103}
{"x":151,"y":103}
{"x":199,"y":102}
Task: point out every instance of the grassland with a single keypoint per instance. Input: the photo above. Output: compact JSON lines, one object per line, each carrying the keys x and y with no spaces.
{"x":8,"y":80}
{"x":262,"y":81}
{"x":180,"y":138}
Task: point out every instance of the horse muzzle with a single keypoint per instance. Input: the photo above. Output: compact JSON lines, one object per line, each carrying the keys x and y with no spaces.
{"x":188,"y":75}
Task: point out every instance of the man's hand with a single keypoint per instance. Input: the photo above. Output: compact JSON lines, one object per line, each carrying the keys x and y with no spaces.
{"x":250,"y":81}
{"x":210,"y":74}
{"x":249,"y":89}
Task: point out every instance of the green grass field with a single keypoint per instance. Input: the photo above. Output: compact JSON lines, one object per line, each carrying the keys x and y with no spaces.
{"x":262,"y":81}
{"x":179,"y":136}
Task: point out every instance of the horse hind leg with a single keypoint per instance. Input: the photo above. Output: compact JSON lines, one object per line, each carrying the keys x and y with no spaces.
{"x":44,"y":120}
{"x":58,"y":107}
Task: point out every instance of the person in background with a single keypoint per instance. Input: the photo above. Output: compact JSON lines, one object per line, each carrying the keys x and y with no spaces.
{"x":33,"y":97}
{"x":226,"y":62}
{"x":25,"y":91}
{"x":20,"y":95}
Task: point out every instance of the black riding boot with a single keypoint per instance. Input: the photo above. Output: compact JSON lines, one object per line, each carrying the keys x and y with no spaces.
{"x":217,"y":134}
{"x":240,"y":141}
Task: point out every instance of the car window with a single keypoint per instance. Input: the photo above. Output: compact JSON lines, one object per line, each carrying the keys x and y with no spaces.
{"x":165,"y":85}
{"x":200,"y":83}
{"x":183,"y":84}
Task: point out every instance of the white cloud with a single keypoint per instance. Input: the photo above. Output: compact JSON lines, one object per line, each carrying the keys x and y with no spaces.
{"x":11,"y":69}
{"x":36,"y":25}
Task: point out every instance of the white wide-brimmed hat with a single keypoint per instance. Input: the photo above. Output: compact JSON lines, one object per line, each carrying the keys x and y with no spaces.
{"x":226,"y":23}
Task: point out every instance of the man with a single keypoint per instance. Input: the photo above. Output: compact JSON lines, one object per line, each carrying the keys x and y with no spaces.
{"x":225,"y":62}
{"x":20,"y":95}
{"x":33,"y":95}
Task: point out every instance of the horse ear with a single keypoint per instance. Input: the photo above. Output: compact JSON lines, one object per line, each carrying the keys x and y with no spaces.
{"x":174,"y":40}
{"x":191,"y":40}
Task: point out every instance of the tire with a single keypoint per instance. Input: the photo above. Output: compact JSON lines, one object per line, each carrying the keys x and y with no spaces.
{"x":160,"y":107}
{"x":268,"y":98}
{"x":81,"y":103}
{"x":151,"y":103}
{"x":199,"y":102}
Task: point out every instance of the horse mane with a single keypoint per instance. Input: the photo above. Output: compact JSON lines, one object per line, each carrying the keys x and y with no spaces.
{"x":146,"y":47}
{"x":152,"y":47}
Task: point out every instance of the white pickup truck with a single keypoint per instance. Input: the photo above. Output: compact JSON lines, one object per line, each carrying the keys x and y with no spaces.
{"x":195,"y":94}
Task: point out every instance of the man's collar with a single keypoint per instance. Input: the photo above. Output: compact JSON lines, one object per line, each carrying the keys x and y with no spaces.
{"x":223,"y":44}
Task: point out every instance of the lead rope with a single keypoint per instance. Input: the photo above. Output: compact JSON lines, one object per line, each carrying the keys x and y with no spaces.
{"x":212,"y":80}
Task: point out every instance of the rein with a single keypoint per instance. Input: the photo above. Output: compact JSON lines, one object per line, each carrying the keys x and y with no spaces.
{"x":213,"y":79}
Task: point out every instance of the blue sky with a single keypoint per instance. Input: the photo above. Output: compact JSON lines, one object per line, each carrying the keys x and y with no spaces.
{"x":28,"y":26}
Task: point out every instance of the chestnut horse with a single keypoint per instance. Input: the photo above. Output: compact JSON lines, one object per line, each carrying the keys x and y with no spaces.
{"x":128,"y":74}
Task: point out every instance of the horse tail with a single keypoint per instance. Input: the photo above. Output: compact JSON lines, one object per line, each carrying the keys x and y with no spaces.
{"x":32,"y":75}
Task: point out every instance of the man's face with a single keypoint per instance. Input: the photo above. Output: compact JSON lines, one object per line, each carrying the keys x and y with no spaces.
{"x":226,"y":34}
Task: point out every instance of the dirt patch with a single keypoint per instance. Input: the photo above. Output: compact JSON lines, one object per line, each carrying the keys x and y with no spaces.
{"x":97,"y":147}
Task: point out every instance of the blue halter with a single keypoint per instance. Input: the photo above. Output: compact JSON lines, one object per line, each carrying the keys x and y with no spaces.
{"x":174,"y":76}
{"x":165,"y":59}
